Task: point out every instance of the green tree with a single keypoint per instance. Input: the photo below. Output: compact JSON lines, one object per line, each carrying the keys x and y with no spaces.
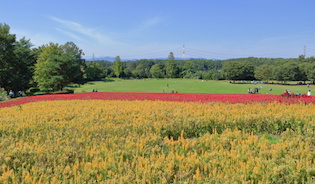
{"x":17,"y":61}
{"x":48,"y":74}
{"x":288,"y":71}
{"x":106,"y":67}
{"x":118,"y":67}
{"x":239,"y":70}
{"x":73,"y":65}
{"x":127,"y":73}
{"x":157,"y":71}
{"x":263,"y":72}
{"x":58,"y":65}
{"x":171,"y":56}
{"x":308,"y":68}
{"x":7,"y":57}
{"x":188,"y":69}
{"x":171,"y":69}
{"x":216,"y":75}
{"x":140,"y":71}
{"x":93,"y":71}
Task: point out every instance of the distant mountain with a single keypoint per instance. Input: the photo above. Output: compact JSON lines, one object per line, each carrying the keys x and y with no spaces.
{"x":107,"y":58}
{"x":112,"y":59}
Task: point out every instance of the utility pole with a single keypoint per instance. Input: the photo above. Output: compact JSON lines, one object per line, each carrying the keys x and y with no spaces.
{"x":304,"y":51}
{"x":184,"y":52}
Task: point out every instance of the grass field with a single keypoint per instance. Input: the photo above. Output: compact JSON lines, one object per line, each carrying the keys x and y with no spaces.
{"x":185,"y":86}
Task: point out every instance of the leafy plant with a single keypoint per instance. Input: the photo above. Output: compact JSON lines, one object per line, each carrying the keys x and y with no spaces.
{"x":3,"y":94}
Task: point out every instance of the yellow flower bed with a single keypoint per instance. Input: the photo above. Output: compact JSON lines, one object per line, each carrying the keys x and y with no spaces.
{"x":156,"y":142}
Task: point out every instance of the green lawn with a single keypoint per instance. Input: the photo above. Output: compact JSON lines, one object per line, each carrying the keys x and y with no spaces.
{"x":184,"y":86}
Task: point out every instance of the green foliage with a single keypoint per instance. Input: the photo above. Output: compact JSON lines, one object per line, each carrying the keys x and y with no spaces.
{"x":26,"y":58}
{"x":157,"y":71}
{"x":93,"y":71}
{"x":171,"y":56}
{"x":7,"y":59}
{"x":3,"y":94}
{"x":139,"y":71}
{"x":263,"y":72}
{"x":118,"y":67}
{"x":188,"y":69}
{"x":171,"y":69}
{"x":74,"y":66}
{"x":308,"y":69}
{"x":238,"y":70}
{"x":16,"y":60}
{"x":288,"y":71}
{"x":58,"y":65}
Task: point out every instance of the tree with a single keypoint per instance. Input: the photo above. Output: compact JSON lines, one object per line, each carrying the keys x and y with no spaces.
{"x":171,"y":56}
{"x":157,"y":71}
{"x":47,"y":73}
{"x":58,"y":65}
{"x":263,"y":72}
{"x":171,"y":69}
{"x":188,"y":69}
{"x":239,"y":70}
{"x":215,"y":75}
{"x":93,"y":71}
{"x":17,"y":61}
{"x":288,"y":71}
{"x":139,"y":71}
{"x":7,"y":57}
{"x":74,"y":65}
{"x":118,"y":67}
{"x":127,"y":73}
{"x":309,"y":70}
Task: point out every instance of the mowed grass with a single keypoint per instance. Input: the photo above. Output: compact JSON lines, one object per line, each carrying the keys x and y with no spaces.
{"x":185,"y":86}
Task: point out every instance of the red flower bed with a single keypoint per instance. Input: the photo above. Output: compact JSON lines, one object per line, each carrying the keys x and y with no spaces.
{"x":182,"y":97}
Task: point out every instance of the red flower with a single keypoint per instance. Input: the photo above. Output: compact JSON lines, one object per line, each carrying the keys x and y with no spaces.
{"x":181,"y":97}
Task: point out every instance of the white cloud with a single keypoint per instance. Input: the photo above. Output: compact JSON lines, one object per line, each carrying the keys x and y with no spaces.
{"x":149,"y":23}
{"x":153,"y":21}
{"x":79,"y":32}
{"x":72,"y":35}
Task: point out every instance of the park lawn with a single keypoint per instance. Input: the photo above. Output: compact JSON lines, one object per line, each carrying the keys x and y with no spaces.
{"x":185,"y":86}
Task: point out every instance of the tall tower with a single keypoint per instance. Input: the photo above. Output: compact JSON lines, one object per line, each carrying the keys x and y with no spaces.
{"x":304,"y":51}
{"x":184,"y":52}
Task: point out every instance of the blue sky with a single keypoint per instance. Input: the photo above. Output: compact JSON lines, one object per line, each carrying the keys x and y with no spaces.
{"x":136,"y":29}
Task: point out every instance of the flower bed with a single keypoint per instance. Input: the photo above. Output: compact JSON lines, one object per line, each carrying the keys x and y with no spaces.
{"x":182,"y":97}
{"x":115,"y":141}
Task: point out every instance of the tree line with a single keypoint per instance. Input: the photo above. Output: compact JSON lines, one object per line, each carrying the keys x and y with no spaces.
{"x":262,"y":69}
{"x":53,"y":66}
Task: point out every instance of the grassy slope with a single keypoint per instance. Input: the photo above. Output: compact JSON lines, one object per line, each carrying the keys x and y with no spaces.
{"x":185,"y":86}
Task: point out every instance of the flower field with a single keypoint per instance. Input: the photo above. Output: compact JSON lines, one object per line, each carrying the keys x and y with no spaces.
{"x":167,"y":139}
{"x":181,"y":97}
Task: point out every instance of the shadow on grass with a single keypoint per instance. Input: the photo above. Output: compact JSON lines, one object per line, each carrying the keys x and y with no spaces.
{"x":90,"y":83}
{"x":107,"y":80}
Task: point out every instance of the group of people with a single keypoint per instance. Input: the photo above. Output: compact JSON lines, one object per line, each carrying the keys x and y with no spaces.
{"x":13,"y":95}
{"x":253,"y":92}
{"x":309,"y":92}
